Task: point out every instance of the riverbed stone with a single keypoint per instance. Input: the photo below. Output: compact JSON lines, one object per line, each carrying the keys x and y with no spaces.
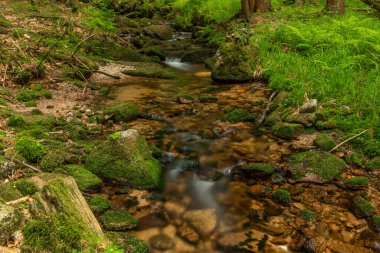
{"x":234,"y":63}
{"x":162,"y":32}
{"x":309,"y":106}
{"x":203,"y":221}
{"x":161,"y":242}
{"x":319,"y":163}
{"x":118,"y":220}
{"x":127,"y":159}
{"x":9,"y":221}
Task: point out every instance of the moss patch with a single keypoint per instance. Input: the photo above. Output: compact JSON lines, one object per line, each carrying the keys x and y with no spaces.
{"x":9,"y":192}
{"x":118,"y":220}
{"x":207,"y":99}
{"x":26,"y":187}
{"x":238,"y":115}
{"x":287,"y":131}
{"x":362,"y":207}
{"x":123,"y":112}
{"x":259,"y":168}
{"x":373,"y":164}
{"x":281,"y":196}
{"x":16,"y":121}
{"x":30,"y":149}
{"x":128,"y":242}
{"x":323,"y":164}
{"x":150,"y":70}
{"x":307,"y":214}
{"x":85,"y":180}
{"x":359,"y":181}
{"x":324,"y":142}
{"x":99,"y":204}
{"x":51,"y":161}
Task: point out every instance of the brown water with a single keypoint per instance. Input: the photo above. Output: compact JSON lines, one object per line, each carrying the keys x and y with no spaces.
{"x":204,"y":206}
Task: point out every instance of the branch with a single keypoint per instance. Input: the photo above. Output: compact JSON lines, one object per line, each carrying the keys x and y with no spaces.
{"x":353,"y":137}
{"x":375,"y":4}
{"x":80,"y":42}
{"x":24,"y":164}
{"x":262,"y":118}
{"x":106,"y":74}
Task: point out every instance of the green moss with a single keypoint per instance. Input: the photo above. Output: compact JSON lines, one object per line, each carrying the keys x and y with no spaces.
{"x":36,"y":112}
{"x":376,"y":222}
{"x":123,"y":112}
{"x":26,"y":95}
{"x":35,"y":133}
{"x":359,"y":181}
{"x":99,"y":204}
{"x":51,"y":161}
{"x":373,"y":164}
{"x":324,"y":142}
{"x":281,"y":196}
{"x":47,"y":94}
{"x":118,"y":220}
{"x":207,"y":99}
{"x":287,"y":131}
{"x":185,"y":96}
{"x":53,"y":233}
{"x":131,"y":202}
{"x":31,"y":103}
{"x":355,"y":159}
{"x":16,"y":121}
{"x":85,"y":180}
{"x":30,"y":149}
{"x":326,"y":125}
{"x":238,"y":115}
{"x":150,"y":70}
{"x":363,"y":208}
{"x":372,"y":148}
{"x":261,"y":168}
{"x":128,"y":242}
{"x":26,"y":187}
{"x":9,"y":192}
{"x":307,"y":214}
{"x":323,"y":164}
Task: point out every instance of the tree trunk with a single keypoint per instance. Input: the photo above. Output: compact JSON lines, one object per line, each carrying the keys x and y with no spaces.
{"x":335,"y":6}
{"x":246,"y":10}
{"x":373,"y":3}
{"x":251,"y":6}
{"x":262,"y":6}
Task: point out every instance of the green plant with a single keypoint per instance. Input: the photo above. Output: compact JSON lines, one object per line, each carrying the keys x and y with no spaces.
{"x":358,"y":181}
{"x":362,"y":207}
{"x":307,"y":214}
{"x":51,"y":161}
{"x":30,"y":149}
{"x":238,"y":115}
{"x":16,"y":121}
{"x":26,"y":187}
{"x":99,"y":204}
{"x":281,"y":196}
{"x":118,"y":220}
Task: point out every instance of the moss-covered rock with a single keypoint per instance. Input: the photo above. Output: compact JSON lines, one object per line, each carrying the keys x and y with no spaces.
{"x":259,"y":168}
{"x":278,"y":100}
{"x":150,"y":70}
{"x":127,"y":160}
{"x":326,"y":125}
{"x":322,"y":164}
{"x":305,"y":119}
{"x":9,"y":192}
{"x":128,"y":242}
{"x":234,"y":63}
{"x":10,"y":219}
{"x":355,"y":159}
{"x":287,"y":131}
{"x":26,"y":187}
{"x":324,"y":142}
{"x":30,"y":149}
{"x":356,"y":182}
{"x":373,"y":164}
{"x":162,"y":32}
{"x":273,"y":119}
{"x":281,"y":196}
{"x":86,"y":180}
{"x":118,"y":220}
{"x":51,"y":161}
{"x":99,"y":204}
{"x":362,"y":208}
{"x":207,"y":99}
{"x":238,"y":115}
{"x":376,"y":222}
{"x":307,"y":214}
{"x":123,"y":112}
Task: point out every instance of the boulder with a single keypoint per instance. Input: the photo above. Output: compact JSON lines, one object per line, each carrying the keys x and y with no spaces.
{"x":162,"y":242}
{"x":203,"y":221}
{"x":9,"y":221}
{"x":118,"y":220}
{"x":309,"y":106}
{"x":305,"y":119}
{"x":234,"y":63}
{"x":162,"y":32}
{"x":126,"y":159}
{"x":287,"y":131}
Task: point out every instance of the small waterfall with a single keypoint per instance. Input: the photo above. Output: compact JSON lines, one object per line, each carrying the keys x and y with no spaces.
{"x":173,"y":59}
{"x":176,"y":62}
{"x":201,"y":192}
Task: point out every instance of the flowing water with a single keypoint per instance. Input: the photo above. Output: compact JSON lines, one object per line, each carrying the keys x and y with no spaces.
{"x":205,"y":204}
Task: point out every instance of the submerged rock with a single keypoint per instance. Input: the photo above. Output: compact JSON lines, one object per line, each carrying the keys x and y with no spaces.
{"x":127,"y":160}
{"x":323,"y":165}
{"x":203,"y":221}
{"x":234,"y":63}
{"x":161,"y":242}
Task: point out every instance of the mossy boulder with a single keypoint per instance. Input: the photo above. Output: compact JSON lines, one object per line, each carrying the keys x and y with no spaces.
{"x":99,"y":204}
{"x":150,"y":70}
{"x":326,"y":125}
{"x":9,"y":192}
{"x":259,"y":169}
{"x":86,"y":180}
{"x":323,"y":165}
{"x":51,"y":161}
{"x":10,"y":220}
{"x":273,"y":119}
{"x":126,"y":160}
{"x":118,"y":220}
{"x":26,"y":187}
{"x":238,"y":115}
{"x":162,"y":32}
{"x":128,"y":242}
{"x":30,"y":149}
{"x":123,"y":112}
{"x":287,"y":131}
{"x":281,"y":196}
{"x":305,"y":119}
{"x":356,"y":182}
{"x":278,"y":100}
{"x":362,"y":208}
{"x":324,"y":142}
{"x":234,"y":63}
{"x":373,"y":164}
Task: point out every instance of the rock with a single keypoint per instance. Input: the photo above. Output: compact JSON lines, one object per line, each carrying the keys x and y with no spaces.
{"x":127,"y":160}
{"x":234,"y":63}
{"x":188,"y":234}
{"x":362,"y":208}
{"x":322,"y":164}
{"x":278,"y":100}
{"x":118,"y":220}
{"x":174,"y":209}
{"x":9,"y":222}
{"x":324,"y":142}
{"x":6,"y":168}
{"x":315,"y":245}
{"x":123,"y":112}
{"x":162,"y":32}
{"x":287,"y":131}
{"x":259,"y":169}
{"x":305,"y":119}
{"x":149,"y":70}
{"x":309,"y":107}
{"x":162,"y":242}
{"x":203,"y":221}
{"x":85,"y":179}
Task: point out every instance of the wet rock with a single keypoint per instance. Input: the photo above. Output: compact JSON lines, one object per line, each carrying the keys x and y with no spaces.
{"x":188,"y":234}
{"x":174,"y":210}
{"x":287,"y":131}
{"x":9,"y":221}
{"x":272,"y":209}
{"x":203,"y":221}
{"x":162,"y":242}
{"x":234,"y":63}
{"x":322,"y":164}
{"x":341,"y":247}
{"x":258,"y":169}
{"x":309,"y":107}
{"x":315,"y":245}
{"x":162,"y":32}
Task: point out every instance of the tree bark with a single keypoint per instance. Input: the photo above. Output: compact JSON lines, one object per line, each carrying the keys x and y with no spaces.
{"x":262,"y":6}
{"x":373,"y":3}
{"x":335,"y":6}
{"x":246,"y":10}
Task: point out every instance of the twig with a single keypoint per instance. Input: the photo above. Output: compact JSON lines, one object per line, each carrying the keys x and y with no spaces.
{"x":106,"y":74}
{"x":5,"y":76}
{"x":17,"y":201}
{"x":353,"y":137}
{"x":80,"y":42}
{"x":262,"y":118}
{"x":24,"y":164}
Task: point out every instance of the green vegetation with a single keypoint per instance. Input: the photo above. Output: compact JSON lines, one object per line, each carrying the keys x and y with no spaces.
{"x":358,"y":181}
{"x":150,"y":70}
{"x":363,"y":208}
{"x":373,"y":164}
{"x":207,"y":99}
{"x":307,"y":214}
{"x":324,"y":142}
{"x":85,"y":180}
{"x":376,"y":222}
{"x":123,"y":112}
{"x":128,"y":242}
{"x":16,"y":121}
{"x":51,"y":161}
{"x":238,"y":115}
{"x":118,"y":220}
{"x":9,"y":192}
{"x":260,"y":168}
{"x":99,"y":204}
{"x":30,"y":149}
{"x":185,"y":96}
{"x":26,"y":187}
{"x":287,"y":131}
{"x":281,"y":196}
